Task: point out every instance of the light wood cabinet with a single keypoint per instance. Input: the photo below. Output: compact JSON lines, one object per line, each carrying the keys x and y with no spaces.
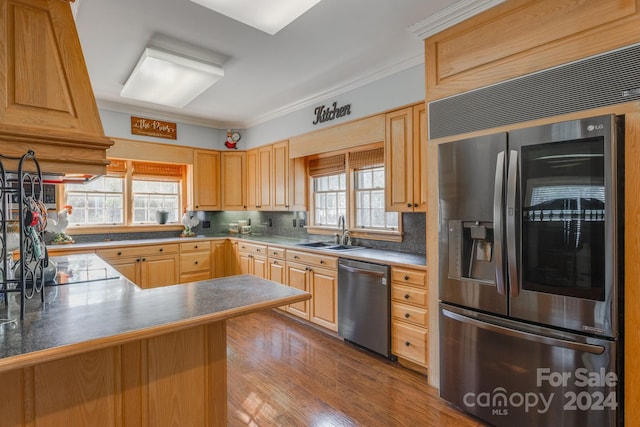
{"x":268,"y":177}
{"x":259,"y":178}
{"x":409,"y":315}
{"x":206,"y":180}
{"x":47,"y":103}
{"x":298,"y":190}
{"x":195,"y":261}
{"x":233,"y":180}
{"x":406,"y":159}
{"x":218,"y":258}
{"x":252,"y":259}
{"x":298,"y":277}
{"x":318,"y":275}
{"x":276,"y":257}
{"x":280,"y":176}
{"x":147,"y":266}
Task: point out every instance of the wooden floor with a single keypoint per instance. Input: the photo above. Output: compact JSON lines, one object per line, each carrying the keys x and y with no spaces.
{"x":284,"y":373}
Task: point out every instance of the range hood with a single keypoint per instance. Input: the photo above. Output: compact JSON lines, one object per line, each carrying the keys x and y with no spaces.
{"x":46,"y":101}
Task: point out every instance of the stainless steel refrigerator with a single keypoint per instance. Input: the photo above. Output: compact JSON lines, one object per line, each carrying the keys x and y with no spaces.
{"x":530,"y":274}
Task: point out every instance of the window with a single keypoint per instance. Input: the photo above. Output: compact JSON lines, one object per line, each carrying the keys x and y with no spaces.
{"x":352,"y":185}
{"x":130,"y":194}
{"x":98,"y":202}
{"x":330,"y":199}
{"x":369,"y":200}
{"x":152,"y":196}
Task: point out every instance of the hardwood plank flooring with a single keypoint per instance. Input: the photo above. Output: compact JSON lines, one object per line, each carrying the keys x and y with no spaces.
{"x":282,"y":372}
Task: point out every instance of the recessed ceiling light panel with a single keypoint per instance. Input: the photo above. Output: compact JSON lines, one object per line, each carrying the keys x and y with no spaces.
{"x":268,"y":16}
{"x":165,"y":78}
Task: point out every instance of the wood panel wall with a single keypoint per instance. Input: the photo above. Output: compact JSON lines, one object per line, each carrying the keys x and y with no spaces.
{"x":173,"y":379}
{"x":519,"y":37}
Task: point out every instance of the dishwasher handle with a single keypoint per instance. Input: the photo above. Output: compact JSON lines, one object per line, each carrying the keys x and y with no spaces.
{"x":361,"y":271}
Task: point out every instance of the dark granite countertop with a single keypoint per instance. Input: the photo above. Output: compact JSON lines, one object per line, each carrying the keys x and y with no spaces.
{"x":364,"y":254}
{"x":80,"y":317}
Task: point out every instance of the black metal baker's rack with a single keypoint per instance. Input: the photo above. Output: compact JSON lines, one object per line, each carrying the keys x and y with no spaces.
{"x":23,"y":219}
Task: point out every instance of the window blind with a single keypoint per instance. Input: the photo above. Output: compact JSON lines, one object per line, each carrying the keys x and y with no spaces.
{"x":148,"y":169}
{"x":327,"y":165}
{"x":367,"y":158}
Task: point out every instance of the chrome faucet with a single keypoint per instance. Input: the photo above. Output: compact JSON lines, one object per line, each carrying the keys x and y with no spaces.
{"x":345,"y":236}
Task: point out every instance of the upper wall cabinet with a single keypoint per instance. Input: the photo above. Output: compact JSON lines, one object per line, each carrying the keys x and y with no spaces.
{"x":46,"y":100}
{"x":280,"y":176}
{"x":206,"y":180}
{"x":233,"y":180}
{"x":406,"y":159}
{"x":519,"y":37}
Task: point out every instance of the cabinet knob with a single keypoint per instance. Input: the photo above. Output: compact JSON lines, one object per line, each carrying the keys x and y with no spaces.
{"x":407,"y":315}
{"x":415,"y":205}
{"x":296,"y":257}
{"x":119,"y":253}
{"x":406,"y":296}
{"x":406,"y":277}
{"x":275,"y":253}
{"x":144,"y":259}
{"x":161,"y":249}
{"x":257,"y":249}
{"x":196,"y":263}
{"x":409,"y":205}
{"x":196,"y":246}
{"x":275,"y":262}
{"x":407,"y":343}
{"x":321,"y":261}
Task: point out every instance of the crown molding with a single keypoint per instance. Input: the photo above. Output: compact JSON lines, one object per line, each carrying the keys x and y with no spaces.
{"x":451,"y":16}
{"x":337,"y":90}
{"x":163,"y":115}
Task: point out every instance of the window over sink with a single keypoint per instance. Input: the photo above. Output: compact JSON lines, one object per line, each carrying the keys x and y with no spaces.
{"x":351,"y":184}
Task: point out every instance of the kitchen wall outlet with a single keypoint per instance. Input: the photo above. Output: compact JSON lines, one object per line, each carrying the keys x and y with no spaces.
{"x":301,"y":222}
{"x":270,"y":222}
{"x":249,"y":221}
{"x":206,"y":224}
{"x":294,"y":223}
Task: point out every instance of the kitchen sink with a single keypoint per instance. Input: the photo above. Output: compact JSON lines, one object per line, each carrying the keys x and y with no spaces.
{"x":343,"y":247}
{"x":316,"y":244}
{"x":329,"y":246}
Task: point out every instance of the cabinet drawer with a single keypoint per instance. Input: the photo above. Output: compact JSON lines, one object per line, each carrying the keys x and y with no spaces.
{"x":195,"y":246}
{"x":409,"y":295}
{"x":132,"y":251}
{"x":195,"y":277}
{"x":409,"y":342}
{"x":313,"y":259}
{"x":195,"y":261}
{"x":274,"y":252}
{"x":408,"y":313}
{"x":251,"y":248}
{"x":413,"y":277}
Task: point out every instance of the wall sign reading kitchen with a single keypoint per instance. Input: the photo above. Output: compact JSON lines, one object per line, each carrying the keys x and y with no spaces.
{"x":151,"y":127}
{"x":324,"y":114}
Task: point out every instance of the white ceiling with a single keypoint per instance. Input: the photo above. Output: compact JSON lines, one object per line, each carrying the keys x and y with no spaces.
{"x":336,"y":46}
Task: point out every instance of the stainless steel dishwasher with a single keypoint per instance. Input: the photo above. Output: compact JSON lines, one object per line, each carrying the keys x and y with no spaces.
{"x":363,"y":304}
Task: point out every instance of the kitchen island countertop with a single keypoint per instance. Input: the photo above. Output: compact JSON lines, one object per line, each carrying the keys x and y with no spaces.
{"x":80,"y":317}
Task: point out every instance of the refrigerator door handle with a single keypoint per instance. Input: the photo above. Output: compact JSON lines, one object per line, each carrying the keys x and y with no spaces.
{"x":497,"y":222}
{"x":540,"y":339}
{"x":512,"y":260}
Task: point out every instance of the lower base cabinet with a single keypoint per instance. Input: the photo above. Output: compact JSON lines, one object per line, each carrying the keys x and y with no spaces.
{"x":318,"y":275}
{"x":147,"y":266}
{"x":409,"y":316}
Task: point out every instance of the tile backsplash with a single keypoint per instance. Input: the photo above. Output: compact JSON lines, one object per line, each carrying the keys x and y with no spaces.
{"x":279,"y":224}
